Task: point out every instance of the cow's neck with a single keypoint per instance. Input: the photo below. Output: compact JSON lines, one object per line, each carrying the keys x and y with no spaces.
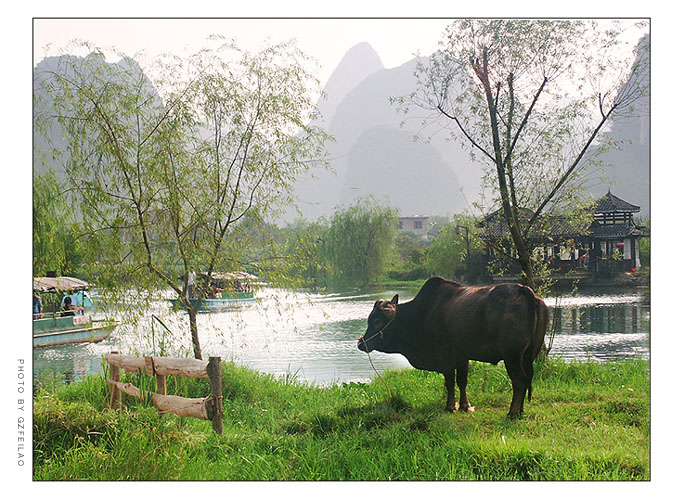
{"x":407,"y":335}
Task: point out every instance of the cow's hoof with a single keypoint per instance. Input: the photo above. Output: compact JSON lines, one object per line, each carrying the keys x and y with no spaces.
{"x":513,"y":416}
{"x":465,"y":409}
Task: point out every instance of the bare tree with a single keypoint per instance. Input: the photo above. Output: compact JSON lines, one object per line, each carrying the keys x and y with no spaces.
{"x":529,"y":98}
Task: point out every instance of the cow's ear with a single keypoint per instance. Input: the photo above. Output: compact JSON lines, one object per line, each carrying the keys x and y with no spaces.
{"x":395,"y":300}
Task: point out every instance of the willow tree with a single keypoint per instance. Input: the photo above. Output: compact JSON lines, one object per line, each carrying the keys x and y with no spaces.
{"x":453,"y":251}
{"x":55,"y":242}
{"x":357,"y":246}
{"x":528,"y":98}
{"x":179,"y":167}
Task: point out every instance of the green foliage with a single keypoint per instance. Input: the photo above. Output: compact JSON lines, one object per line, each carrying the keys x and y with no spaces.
{"x":645,"y":244}
{"x":302,"y":242}
{"x":55,"y":232}
{"x":408,"y":260}
{"x":586,"y":421}
{"x":353,"y":248}
{"x":455,"y":252}
{"x":184,"y":170}
{"x":411,"y":259}
{"x":359,"y":243}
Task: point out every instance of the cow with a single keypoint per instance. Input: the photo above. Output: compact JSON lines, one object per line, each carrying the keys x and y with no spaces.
{"x":448,"y":324}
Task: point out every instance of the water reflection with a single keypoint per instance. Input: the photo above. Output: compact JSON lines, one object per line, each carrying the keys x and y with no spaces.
{"x":313,"y":336}
{"x":600,"y":327}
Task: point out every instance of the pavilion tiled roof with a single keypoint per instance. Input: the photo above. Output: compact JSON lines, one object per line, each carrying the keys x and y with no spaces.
{"x":615,"y":230}
{"x":556,"y":227}
{"x":549,"y":227}
{"x":611,"y":203}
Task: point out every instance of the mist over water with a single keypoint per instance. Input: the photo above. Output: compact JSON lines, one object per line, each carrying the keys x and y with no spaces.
{"x":313,"y":335}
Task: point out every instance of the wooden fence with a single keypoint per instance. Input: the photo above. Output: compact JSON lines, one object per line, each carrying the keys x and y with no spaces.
{"x":209,"y":408}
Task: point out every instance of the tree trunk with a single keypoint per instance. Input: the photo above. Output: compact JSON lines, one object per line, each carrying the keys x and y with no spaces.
{"x":192,"y":315}
{"x":510,"y":210}
{"x":528,"y":272}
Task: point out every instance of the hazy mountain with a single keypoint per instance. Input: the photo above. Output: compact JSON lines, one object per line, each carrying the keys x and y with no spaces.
{"x":127,"y":68}
{"x":372,"y":151}
{"x":359,"y":62}
{"x":43,"y":105}
{"x":374,"y":154}
{"x":370,"y":143}
{"x":387,"y":163}
{"x":628,"y":168}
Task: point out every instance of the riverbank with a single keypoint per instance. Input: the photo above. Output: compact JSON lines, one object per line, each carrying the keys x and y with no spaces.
{"x":586,"y":421}
{"x":638,"y":281}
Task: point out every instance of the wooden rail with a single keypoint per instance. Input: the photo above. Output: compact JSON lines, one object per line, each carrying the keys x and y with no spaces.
{"x":209,"y":408}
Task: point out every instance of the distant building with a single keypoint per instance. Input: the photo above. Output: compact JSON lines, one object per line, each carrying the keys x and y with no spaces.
{"x":416,"y":224}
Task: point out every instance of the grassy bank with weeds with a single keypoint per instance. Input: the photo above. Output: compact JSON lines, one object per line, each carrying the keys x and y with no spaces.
{"x":586,"y":421}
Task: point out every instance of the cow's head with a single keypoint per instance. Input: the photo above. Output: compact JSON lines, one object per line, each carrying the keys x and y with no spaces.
{"x":382,"y":315}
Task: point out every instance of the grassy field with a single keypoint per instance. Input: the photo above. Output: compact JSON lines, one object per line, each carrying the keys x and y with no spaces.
{"x":586,"y":421}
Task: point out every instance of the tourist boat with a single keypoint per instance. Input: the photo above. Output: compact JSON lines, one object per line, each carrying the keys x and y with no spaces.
{"x":53,"y":329}
{"x":226,"y":291}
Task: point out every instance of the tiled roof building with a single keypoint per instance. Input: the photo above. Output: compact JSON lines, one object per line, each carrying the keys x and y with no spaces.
{"x":609,"y":240}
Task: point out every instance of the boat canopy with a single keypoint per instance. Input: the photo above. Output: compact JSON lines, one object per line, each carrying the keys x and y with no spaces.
{"x":61,"y":283}
{"x":239,"y":275}
{"x":225,"y":278}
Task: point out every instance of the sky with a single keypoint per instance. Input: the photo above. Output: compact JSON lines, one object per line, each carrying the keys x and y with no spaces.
{"x":327,"y":40}
{"x":396,"y":41}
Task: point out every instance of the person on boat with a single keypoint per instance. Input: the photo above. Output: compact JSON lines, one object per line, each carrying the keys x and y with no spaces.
{"x":75,"y":299}
{"x":37,"y":306}
{"x":68,"y":309}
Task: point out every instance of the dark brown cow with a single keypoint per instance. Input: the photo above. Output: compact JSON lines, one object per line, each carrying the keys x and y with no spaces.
{"x":448,"y":324}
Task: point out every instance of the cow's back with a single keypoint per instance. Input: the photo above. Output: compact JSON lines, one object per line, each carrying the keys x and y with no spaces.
{"x":483,"y":323}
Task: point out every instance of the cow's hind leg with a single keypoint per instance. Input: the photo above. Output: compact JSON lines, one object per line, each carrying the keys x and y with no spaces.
{"x":520,"y":383}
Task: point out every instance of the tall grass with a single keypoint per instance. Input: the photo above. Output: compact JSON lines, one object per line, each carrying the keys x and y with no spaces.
{"x":586,"y":421}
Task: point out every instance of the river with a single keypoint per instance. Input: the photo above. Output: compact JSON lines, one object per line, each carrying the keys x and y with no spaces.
{"x":312,"y":336}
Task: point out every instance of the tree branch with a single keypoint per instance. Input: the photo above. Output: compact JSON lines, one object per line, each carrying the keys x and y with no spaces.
{"x":572,"y":167}
{"x":460,"y":126}
{"x":523,"y":123}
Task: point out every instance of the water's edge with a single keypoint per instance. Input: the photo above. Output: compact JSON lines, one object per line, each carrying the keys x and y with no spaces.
{"x":312,"y":336}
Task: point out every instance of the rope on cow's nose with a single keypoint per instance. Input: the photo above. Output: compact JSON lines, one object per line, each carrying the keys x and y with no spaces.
{"x":389,"y":393}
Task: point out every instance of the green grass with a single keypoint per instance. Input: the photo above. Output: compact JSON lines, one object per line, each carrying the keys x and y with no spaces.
{"x":586,"y":421}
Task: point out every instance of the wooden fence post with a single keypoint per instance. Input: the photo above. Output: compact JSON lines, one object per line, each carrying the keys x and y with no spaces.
{"x":161,"y":385}
{"x":115,"y":400}
{"x":215,"y":376}
{"x":161,"y":379}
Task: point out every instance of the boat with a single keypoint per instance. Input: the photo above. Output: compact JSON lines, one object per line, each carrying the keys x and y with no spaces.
{"x":227,"y":291}
{"x":53,"y":328}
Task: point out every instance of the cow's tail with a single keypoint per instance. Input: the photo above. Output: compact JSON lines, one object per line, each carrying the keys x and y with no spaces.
{"x":539,"y":315}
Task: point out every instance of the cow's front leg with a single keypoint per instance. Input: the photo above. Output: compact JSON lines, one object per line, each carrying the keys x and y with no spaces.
{"x":450,"y":384}
{"x":462,"y":381}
